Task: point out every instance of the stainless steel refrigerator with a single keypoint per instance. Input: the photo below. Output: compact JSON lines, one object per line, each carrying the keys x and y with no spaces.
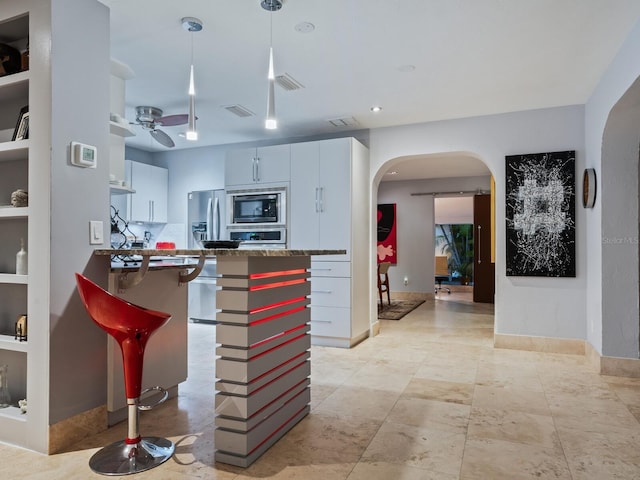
{"x":206,"y":216}
{"x":206,"y":221}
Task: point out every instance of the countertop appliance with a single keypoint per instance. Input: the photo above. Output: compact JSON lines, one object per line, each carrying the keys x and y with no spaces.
{"x":260,"y":206}
{"x":260,"y":237}
{"x":205,"y":216}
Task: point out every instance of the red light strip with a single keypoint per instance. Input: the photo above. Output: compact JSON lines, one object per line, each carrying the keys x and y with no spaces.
{"x":277,"y":315}
{"x":283,"y":394}
{"x":276,"y":274}
{"x":270,"y":339}
{"x":278,"y":366}
{"x":278,"y":429}
{"x":295,"y":367}
{"x":277,"y":284}
{"x":278,"y":304}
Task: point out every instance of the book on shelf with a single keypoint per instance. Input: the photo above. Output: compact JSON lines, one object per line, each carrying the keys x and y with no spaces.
{"x":21,"y":132}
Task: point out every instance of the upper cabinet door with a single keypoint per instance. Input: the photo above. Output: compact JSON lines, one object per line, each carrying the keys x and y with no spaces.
{"x":320,"y":200}
{"x":149,"y":203}
{"x":240,"y":167}
{"x":336,"y":188}
{"x":160,"y":195}
{"x":304,"y":196}
{"x":258,"y":166}
{"x":273,"y":164}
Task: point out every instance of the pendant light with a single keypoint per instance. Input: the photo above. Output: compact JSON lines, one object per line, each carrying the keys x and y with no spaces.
{"x":271,"y":122}
{"x":192,"y":25}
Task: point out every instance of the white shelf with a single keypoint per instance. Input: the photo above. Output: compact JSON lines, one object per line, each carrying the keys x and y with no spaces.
{"x":7,"y":342}
{"x":15,"y":86}
{"x":15,"y":150}
{"x":120,"y":129}
{"x":13,"y":413}
{"x":120,"y":190}
{"x":7,"y":211}
{"x":13,"y":278}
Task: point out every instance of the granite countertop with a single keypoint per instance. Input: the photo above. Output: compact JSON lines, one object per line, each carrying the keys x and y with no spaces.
{"x":218,"y":252}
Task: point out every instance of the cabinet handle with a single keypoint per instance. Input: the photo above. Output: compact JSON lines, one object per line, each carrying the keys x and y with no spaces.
{"x":256,"y":174}
{"x":320,"y":269}
{"x":321,"y":321}
{"x":479,"y":238}
{"x":317,"y":199}
{"x":253,"y":167}
{"x":321,"y":199}
{"x":321,"y":291}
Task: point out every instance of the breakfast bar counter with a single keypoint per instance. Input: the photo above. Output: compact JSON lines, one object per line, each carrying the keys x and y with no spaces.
{"x":262,"y":331}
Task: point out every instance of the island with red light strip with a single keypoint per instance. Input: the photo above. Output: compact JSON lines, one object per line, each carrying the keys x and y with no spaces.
{"x":262,"y":333}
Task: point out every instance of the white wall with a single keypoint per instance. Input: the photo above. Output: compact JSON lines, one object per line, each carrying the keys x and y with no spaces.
{"x":612,"y":285}
{"x":453,"y":210}
{"x":80,"y":72}
{"x":415,"y":227}
{"x":553,"y":307}
{"x":190,"y":170}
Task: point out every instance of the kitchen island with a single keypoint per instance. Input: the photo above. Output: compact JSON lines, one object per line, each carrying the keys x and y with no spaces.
{"x":263,"y":363}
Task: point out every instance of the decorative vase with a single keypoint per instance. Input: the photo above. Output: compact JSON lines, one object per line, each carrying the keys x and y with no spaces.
{"x":5,"y":397}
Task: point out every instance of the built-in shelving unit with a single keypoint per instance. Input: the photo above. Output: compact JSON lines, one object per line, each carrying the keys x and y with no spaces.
{"x":14,"y":226}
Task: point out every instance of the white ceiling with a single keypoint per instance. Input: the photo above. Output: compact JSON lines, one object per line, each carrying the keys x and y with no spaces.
{"x":469,"y":58}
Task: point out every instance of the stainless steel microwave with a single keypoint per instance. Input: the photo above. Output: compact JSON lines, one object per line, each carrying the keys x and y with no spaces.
{"x":257,"y":206}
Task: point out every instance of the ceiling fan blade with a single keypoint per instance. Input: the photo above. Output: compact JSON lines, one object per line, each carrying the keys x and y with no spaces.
{"x":162,"y":138}
{"x":173,"y":120}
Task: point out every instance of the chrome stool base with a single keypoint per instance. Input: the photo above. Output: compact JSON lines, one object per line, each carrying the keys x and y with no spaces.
{"x":121,"y":458}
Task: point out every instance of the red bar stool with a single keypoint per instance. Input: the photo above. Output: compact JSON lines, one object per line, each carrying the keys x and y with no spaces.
{"x":131,"y":326}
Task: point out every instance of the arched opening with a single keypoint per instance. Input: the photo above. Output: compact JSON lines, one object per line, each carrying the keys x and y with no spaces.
{"x":412,"y":184}
{"x":619,"y":185}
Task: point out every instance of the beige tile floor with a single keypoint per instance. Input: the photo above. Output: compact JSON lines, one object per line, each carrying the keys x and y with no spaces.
{"x":429,"y":398}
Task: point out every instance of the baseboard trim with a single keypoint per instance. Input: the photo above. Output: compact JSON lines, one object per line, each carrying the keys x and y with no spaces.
{"x":375,"y":328}
{"x":567,"y":346}
{"x":612,"y":366}
{"x":71,"y":430}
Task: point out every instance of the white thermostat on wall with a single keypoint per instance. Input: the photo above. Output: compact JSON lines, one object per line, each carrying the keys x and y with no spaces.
{"x":84,"y":155}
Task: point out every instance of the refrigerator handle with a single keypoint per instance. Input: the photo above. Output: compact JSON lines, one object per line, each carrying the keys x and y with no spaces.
{"x":216,"y":218}
{"x":209,"y":216}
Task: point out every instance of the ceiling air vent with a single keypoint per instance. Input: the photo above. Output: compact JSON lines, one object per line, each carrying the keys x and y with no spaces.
{"x":287,"y":82}
{"x":343,"y":122}
{"x":239,"y":110}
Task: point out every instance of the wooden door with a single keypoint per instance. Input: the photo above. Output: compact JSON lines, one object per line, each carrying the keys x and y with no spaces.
{"x":484,"y":277}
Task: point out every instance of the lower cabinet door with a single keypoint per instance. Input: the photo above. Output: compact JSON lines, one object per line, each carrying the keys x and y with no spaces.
{"x":330,"y":292}
{"x":331,"y":322}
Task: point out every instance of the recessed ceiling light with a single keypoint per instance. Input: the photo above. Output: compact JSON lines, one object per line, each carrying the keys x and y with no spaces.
{"x":376,"y":108}
{"x":304,"y":27}
{"x":406,"y":68}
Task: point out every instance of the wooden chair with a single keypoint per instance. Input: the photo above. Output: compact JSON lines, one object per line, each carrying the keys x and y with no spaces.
{"x":441,"y":273}
{"x":383,"y":281}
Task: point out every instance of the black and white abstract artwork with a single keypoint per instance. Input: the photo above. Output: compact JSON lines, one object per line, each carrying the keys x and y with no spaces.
{"x":540,"y":214}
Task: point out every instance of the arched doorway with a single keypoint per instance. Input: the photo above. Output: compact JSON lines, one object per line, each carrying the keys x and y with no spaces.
{"x":619,"y":193}
{"x":412,"y":183}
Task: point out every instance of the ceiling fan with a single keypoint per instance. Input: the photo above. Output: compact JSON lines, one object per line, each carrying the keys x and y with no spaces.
{"x":150,"y":118}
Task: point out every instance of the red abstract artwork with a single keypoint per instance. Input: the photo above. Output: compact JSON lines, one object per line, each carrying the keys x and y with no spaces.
{"x":387,"y":243}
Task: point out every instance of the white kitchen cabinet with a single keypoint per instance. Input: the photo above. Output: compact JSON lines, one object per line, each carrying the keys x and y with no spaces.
{"x":321,"y":195}
{"x":149,"y":203}
{"x":329,"y":210}
{"x":262,"y":165}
